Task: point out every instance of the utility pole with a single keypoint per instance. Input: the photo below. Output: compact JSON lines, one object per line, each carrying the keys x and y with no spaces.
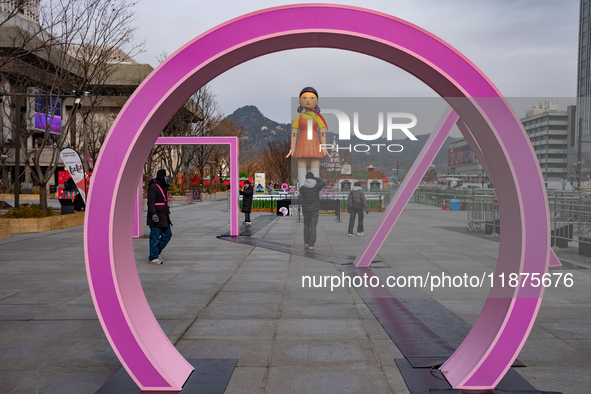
{"x":579,"y":153}
{"x":482,"y":179}
{"x":17,"y":151}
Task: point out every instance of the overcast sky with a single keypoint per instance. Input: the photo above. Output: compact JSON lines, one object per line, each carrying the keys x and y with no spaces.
{"x":527,"y":48}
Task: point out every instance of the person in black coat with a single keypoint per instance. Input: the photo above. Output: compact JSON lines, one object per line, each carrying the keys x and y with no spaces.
{"x":246,"y":192}
{"x":70,"y":188}
{"x":158,"y":217}
{"x":79,"y":204}
{"x":310,"y":200}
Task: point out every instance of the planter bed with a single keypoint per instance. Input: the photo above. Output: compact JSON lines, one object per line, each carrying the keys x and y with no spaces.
{"x":4,"y":229}
{"x":38,"y":225}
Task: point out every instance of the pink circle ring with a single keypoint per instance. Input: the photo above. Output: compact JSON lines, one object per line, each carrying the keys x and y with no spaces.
{"x":508,"y":314}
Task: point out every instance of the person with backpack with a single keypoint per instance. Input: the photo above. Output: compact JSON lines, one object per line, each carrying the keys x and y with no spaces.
{"x":356,"y":204}
{"x":158,"y":217}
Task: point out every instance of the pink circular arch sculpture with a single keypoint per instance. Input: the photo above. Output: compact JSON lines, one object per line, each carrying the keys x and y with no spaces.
{"x":508,"y":314}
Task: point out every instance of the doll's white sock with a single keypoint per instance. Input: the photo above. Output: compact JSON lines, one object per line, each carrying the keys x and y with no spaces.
{"x":301,"y":176}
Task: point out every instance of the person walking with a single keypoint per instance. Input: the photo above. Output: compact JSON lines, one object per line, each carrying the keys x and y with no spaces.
{"x":310,"y":200}
{"x":158,"y":217}
{"x":356,"y":204}
{"x":246,"y":192}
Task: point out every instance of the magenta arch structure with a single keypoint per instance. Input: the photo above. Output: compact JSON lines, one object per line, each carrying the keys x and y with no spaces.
{"x":138,"y":226}
{"x":508,"y":314}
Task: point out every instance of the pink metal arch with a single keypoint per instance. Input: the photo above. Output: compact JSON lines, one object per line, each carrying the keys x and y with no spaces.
{"x":138,"y":224}
{"x":130,"y":326}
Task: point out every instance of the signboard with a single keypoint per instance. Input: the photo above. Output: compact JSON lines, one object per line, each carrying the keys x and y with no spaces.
{"x":360,"y":175}
{"x":73,"y":164}
{"x":332,"y":174}
{"x":461,"y":155}
{"x":63,"y":177}
{"x":44,"y":106}
{"x":330,"y":208}
{"x":283,"y":207}
{"x":259,"y":183}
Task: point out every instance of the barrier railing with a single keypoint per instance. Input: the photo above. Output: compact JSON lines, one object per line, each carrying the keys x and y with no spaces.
{"x":483,"y":212}
{"x":376,"y":201}
{"x":435,"y":196}
{"x":570,"y":216}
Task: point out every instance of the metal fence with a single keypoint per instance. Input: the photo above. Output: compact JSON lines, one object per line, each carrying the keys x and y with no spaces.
{"x":376,"y":200}
{"x":570,"y":214}
{"x":483,"y":212}
{"x":436,"y":196}
{"x":570,"y":218}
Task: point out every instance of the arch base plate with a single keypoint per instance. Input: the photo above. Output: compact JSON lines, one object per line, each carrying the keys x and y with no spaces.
{"x":211,"y":375}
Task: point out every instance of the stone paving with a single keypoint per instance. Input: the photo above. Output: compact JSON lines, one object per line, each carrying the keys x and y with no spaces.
{"x":218,"y":299}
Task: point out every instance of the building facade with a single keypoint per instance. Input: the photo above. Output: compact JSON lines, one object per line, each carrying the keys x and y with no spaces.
{"x":549,"y":131}
{"x":370,"y":180}
{"x":28,"y":9}
{"x":461,"y":159}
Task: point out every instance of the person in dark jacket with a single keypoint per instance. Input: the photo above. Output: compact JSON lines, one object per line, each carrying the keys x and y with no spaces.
{"x":79,"y":204}
{"x":70,"y":188}
{"x":310,"y":200}
{"x":158,"y":217}
{"x":246,"y":192}
{"x":356,"y":204}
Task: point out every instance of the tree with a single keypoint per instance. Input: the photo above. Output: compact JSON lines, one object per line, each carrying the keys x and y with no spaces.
{"x":219,"y":159}
{"x":250,"y":158}
{"x":276,"y":164}
{"x":199,"y":117}
{"x":198,"y":155}
{"x":72,"y":54}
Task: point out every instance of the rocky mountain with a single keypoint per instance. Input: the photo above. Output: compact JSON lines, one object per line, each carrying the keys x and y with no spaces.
{"x":258,"y":130}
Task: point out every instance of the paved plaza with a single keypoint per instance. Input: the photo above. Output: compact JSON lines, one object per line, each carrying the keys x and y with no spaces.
{"x":220,"y":299}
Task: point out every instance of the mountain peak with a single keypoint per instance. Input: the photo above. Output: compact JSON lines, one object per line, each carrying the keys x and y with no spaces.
{"x":246,"y":111}
{"x":259,"y":129}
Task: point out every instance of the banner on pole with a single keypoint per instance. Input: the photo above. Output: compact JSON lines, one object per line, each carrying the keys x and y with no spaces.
{"x":73,"y":164}
{"x":259,"y":183}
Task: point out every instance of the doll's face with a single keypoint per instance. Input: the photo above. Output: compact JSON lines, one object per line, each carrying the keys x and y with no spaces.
{"x":308,"y":100}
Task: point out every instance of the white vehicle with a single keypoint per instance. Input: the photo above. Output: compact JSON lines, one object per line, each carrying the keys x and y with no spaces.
{"x":449,"y":182}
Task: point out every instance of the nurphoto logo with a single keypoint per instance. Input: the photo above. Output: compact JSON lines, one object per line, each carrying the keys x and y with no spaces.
{"x":395,"y":121}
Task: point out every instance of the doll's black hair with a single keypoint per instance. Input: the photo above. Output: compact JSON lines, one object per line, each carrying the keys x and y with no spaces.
{"x":308,"y":89}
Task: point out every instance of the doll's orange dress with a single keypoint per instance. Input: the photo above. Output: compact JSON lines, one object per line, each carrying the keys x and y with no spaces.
{"x":306,"y":147}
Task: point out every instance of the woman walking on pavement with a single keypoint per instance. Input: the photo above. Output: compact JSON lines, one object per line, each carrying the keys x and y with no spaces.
{"x":356,"y":204}
{"x":158,"y":217}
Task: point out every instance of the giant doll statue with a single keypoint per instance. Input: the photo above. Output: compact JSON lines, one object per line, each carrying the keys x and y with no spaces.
{"x":308,"y":126}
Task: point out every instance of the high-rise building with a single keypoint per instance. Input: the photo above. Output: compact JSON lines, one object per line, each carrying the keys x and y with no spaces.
{"x":583,"y":95}
{"x":549,"y":130}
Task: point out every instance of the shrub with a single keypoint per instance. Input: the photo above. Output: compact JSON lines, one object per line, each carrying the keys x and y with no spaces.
{"x":176,"y":190}
{"x":27,"y":211}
